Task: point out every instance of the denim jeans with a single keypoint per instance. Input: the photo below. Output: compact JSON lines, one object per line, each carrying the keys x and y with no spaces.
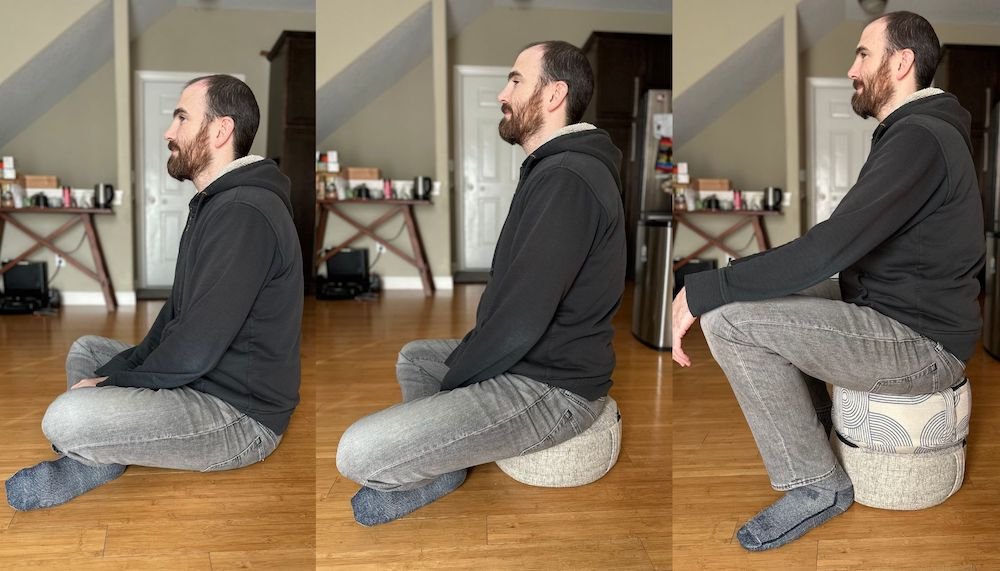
{"x":776,"y":352}
{"x":177,"y":428}
{"x":433,"y":432}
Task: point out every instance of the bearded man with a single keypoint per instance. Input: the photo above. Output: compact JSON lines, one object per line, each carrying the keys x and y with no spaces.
{"x":213,"y":384}
{"x":536,"y":368}
{"x":908,"y":243}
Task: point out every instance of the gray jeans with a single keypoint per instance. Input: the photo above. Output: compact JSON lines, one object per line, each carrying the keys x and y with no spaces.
{"x":177,"y":428}
{"x":778,"y":354}
{"x":433,"y":432}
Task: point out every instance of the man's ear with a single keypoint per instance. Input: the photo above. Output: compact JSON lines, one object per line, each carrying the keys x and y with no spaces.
{"x":224,"y":129}
{"x":557,"y":95}
{"x":907,"y":63}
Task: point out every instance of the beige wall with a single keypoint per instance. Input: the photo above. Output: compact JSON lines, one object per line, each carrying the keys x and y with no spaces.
{"x":745,"y":145}
{"x":708,"y":31}
{"x":75,"y":140}
{"x":350,"y":27}
{"x":27,"y":26}
{"x":395,"y":132}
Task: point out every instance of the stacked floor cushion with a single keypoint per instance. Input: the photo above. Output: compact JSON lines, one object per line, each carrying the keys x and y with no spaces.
{"x":903,"y":452}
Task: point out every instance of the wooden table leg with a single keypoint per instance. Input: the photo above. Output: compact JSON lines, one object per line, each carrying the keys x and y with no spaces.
{"x":98,"y":254}
{"x":760,"y":231}
{"x":321,"y":215}
{"x":418,"y":250}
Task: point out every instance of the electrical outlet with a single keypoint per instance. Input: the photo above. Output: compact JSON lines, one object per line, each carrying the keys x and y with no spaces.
{"x":60,"y":262}
{"x":379,"y":248}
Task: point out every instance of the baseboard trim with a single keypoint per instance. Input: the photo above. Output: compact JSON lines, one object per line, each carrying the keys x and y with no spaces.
{"x":413,"y":282}
{"x":94,"y":297}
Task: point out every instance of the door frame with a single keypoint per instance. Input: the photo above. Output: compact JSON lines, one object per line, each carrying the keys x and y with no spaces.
{"x":140,"y":79}
{"x":460,"y":72}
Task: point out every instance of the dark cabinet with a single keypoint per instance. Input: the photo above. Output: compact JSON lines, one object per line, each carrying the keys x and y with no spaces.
{"x":625,"y":67}
{"x":972,"y":74}
{"x":291,"y":130}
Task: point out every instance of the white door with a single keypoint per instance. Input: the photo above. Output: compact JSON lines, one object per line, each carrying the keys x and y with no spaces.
{"x":161,"y":200}
{"x":489,"y":166}
{"x":839,"y":143}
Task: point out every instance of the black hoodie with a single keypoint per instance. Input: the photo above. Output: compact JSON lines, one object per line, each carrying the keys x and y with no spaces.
{"x":232,"y":324}
{"x":558,"y":273}
{"x":907,"y":239}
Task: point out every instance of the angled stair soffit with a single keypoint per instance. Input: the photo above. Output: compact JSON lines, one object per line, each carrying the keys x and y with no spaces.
{"x":73,"y":56}
{"x":747,"y":68}
{"x":383,"y":64}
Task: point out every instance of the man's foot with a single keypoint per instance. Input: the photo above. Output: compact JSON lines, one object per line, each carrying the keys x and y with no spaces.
{"x":56,"y":482}
{"x":800,"y":510}
{"x":372,"y":507}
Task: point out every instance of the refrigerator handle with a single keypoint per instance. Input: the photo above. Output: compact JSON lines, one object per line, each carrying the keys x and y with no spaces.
{"x":635,"y":96}
{"x":989,"y":97}
{"x":986,"y":151}
{"x":631,"y":136}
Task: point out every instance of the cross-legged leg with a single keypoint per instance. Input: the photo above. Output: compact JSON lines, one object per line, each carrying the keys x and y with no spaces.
{"x":772,"y":352}
{"x":414,"y":452}
{"x":100,"y":430}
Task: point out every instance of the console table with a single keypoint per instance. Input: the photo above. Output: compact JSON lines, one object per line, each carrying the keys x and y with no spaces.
{"x":76,"y":216}
{"x":403,"y":208}
{"x":753,"y":218}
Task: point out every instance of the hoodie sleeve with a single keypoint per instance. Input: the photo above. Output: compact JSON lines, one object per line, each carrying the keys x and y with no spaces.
{"x":234,"y":258}
{"x":134,"y":356}
{"x":901,"y":177}
{"x":559,"y":225}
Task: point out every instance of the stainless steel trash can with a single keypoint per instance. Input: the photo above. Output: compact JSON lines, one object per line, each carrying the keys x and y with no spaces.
{"x":654,"y":281}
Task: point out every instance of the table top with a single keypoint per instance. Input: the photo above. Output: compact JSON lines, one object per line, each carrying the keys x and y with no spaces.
{"x":57,"y":210}
{"x":718,"y":211}
{"x":370,"y":201}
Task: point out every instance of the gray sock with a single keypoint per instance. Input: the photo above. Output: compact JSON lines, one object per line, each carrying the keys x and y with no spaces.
{"x":53,"y":483}
{"x":372,"y":507}
{"x":800,"y":510}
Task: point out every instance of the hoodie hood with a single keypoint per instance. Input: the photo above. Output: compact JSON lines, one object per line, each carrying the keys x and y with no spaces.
{"x":943,"y":106}
{"x":581,"y":138}
{"x":259,"y":173}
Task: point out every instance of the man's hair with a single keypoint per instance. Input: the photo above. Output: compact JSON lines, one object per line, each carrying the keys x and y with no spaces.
{"x":227,"y":96}
{"x":565,"y":62}
{"x":906,"y":30}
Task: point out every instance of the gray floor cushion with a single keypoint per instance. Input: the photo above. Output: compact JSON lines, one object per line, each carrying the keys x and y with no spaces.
{"x":575,"y":462}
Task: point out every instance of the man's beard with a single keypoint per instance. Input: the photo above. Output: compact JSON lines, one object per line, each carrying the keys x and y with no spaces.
{"x":523,"y":123}
{"x":876,"y":93}
{"x":191,"y":159}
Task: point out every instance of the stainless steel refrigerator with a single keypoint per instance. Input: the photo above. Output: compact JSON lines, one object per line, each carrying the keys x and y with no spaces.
{"x":653,"y":244}
{"x":991,"y":207}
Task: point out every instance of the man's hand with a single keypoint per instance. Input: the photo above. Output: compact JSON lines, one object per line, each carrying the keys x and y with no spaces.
{"x":84,"y":383}
{"x":682,"y":320}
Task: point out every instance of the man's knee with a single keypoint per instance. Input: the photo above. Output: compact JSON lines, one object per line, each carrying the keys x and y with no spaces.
{"x":412,"y":351}
{"x":355,"y":451}
{"x":66,"y":419}
{"x":85,"y":344}
{"x":728,"y":321}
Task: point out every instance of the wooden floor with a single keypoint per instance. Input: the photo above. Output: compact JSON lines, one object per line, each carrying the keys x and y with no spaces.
{"x":686,"y":436}
{"x":720,"y":482}
{"x":259,"y":517}
{"x":492,"y":522}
